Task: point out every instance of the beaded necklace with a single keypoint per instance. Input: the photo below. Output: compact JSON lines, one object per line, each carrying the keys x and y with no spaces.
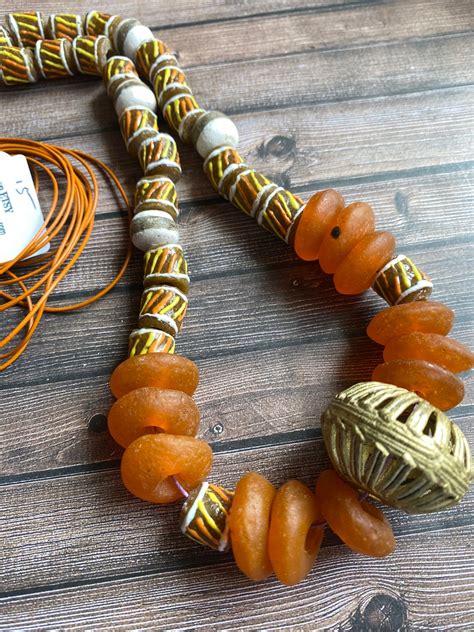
{"x":387,"y":438}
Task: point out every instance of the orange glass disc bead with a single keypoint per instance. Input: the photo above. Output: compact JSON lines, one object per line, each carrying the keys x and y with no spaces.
{"x":360,"y":525}
{"x":292,"y":544}
{"x":150,"y":410}
{"x":249,"y":522}
{"x":319,"y":212}
{"x":425,"y":316}
{"x":150,"y":461}
{"x":435,"y":384}
{"x":358,"y":269}
{"x":345,"y":232}
{"x":162,"y":370}
{"x":434,"y":348}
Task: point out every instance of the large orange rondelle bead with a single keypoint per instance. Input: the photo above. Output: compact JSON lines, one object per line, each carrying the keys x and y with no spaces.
{"x":249,"y":522}
{"x":150,"y":461}
{"x":149,"y":410}
{"x":345,"y":232}
{"x":359,"y":524}
{"x":292,"y":544}
{"x":358,"y":269}
{"x":319,"y":212}
{"x":426,"y":316}
{"x":435,"y":384}
{"x":162,"y":370}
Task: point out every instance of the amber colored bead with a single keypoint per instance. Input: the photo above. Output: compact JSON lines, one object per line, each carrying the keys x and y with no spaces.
{"x":434,"y":348}
{"x":345,"y":232}
{"x":358,"y":269}
{"x":155,"y":369}
{"x":319,"y":212}
{"x":435,"y":384}
{"x":360,"y":525}
{"x":150,"y":410}
{"x":150,"y":461}
{"x":292,"y":544}
{"x":425,"y":316}
{"x":249,"y":522}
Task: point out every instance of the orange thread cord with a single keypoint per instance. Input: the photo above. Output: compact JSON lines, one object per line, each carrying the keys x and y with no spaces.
{"x":69,"y":222}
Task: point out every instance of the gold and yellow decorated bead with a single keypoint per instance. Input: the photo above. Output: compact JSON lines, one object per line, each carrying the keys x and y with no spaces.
{"x":98,"y":23}
{"x":54,"y":58}
{"x":156,"y":192}
{"x":166,"y":265}
{"x":149,"y":340}
{"x":27,"y":27}
{"x":17,"y":66}
{"x":118,"y":68}
{"x":400,"y":281}
{"x":163,"y":307}
{"x":149,"y":55}
{"x":137,"y":124}
{"x":177,"y":107}
{"x":64,"y":26}
{"x":159,"y":156}
{"x":219,"y":166}
{"x":6,"y":38}
{"x":205,"y":514}
{"x":90,"y":53}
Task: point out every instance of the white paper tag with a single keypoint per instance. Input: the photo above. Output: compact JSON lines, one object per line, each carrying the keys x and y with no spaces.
{"x":20,"y":211}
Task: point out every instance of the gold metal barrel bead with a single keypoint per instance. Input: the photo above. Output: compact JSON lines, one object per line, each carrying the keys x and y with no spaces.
{"x":27,"y":27}
{"x":166,"y":265}
{"x":64,"y":26}
{"x":90,"y":53}
{"x":163,"y":307}
{"x":17,"y":66}
{"x":400,"y":281}
{"x":54,"y":58}
{"x":397,"y":447}
{"x":205,"y":514}
{"x":156,"y":192}
{"x":148,"y":340}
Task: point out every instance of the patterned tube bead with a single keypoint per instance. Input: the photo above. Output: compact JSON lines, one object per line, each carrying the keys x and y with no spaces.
{"x":278,"y":212}
{"x":17,"y":66}
{"x":219,"y":165}
{"x":187,"y":124}
{"x":90,"y":53}
{"x":64,"y":25}
{"x":156,"y":192}
{"x":400,"y":281}
{"x":166,"y":265}
{"x":169,"y":78}
{"x":147,"y":340}
{"x":117,"y":69}
{"x":97,"y":23}
{"x":163,"y":307}
{"x":177,"y":107}
{"x":204,"y":516}
{"x":54,"y":58}
{"x":137,"y":124}
{"x":27,"y":27}
{"x":248,"y":189}
{"x":6,"y":38}
{"x":148,"y":54}
{"x":159,"y":156}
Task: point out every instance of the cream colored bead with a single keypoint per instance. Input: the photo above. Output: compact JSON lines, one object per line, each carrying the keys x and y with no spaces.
{"x":150,"y":229}
{"x":134,"y":93}
{"x":212,"y":130}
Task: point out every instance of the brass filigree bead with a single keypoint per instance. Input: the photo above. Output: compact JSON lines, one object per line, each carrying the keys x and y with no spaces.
{"x":397,"y":447}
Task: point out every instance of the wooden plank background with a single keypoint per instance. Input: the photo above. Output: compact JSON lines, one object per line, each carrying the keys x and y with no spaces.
{"x":372,"y":97}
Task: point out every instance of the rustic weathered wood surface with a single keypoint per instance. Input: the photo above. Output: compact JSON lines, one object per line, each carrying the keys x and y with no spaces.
{"x":368,"y":96}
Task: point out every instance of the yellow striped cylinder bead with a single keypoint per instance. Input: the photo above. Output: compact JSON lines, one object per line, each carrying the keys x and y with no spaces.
{"x":166,"y":265}
{"x":219,"y":166}
{"x":156,"y":192}
{"x":90,"y":53}
{"x":26,"y":27}
{"x":17,"y":66}
{"x":137,"y":124}
{"x":205,"y":514}
{"x":147,"y":340}
{"x":149,"y":55}
{"x":159,"y":156}
{"x":6,"y":39}
{"x":98,"y":23}
{"x":163,"y":307}
{"x":117,"y":69}
{"x":168,"y":81}
{"x":54,"y":58}
{"x":248,"y":189}
{"x":177,"y":107}
{"x":278,"y":211}
{"x":400,"y":281}
{"x":64,"y":25}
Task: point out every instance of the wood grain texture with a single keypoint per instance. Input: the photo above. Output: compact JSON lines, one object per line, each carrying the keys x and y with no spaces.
{"x":370,"y":97}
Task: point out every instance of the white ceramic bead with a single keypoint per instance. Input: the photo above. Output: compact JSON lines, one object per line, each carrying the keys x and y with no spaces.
{"x":136,"y":36}
{"x":213,"y":130}
{"x":134,"y":93}
{"x":150,"y":229}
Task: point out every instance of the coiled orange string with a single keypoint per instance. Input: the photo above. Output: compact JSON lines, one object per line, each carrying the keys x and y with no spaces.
{"x":69,"y":222}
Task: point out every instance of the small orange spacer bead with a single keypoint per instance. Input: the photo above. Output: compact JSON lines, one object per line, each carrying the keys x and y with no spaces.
{"x":358,"y":269}
{"x":344,"y":233}
{"x":150,"y":461}
{"x":162,"y":370}
{"x":360,"y":525}
{"x":446,"y":352}
{"x":425,"y":316}
{"x":319,"y":212}
{"x":292,"y":544}
{"x":435,"y":384}
{"x":249,"y":522}
{"x":150,"y":410}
